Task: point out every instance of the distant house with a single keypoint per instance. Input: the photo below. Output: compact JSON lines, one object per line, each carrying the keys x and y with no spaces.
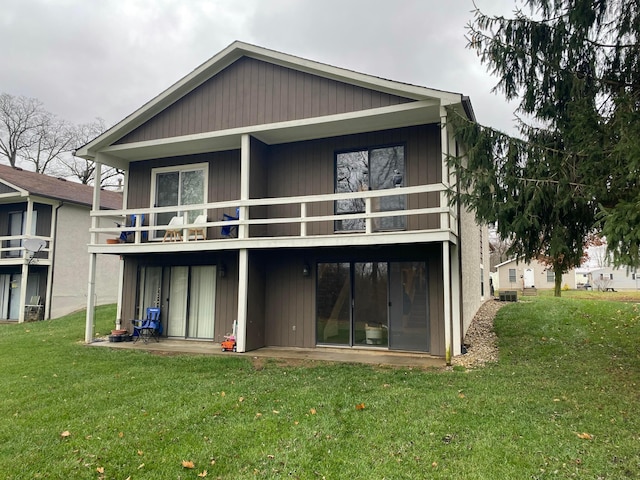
{"x":616,"y":278}
{"x":518,"y":275}
{"x":44,"y":228}
{"x":305,"y":203}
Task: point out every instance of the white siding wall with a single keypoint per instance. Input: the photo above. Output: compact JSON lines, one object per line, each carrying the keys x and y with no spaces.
{"x":471,"y":240}
{"x":71,"y":268}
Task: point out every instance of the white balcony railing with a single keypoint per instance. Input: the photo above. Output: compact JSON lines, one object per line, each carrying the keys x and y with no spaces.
{"x":105,"y":226}
{"x":13,"y":249}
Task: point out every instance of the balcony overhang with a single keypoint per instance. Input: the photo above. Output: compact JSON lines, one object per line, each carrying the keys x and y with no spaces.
{"x":342,"y":240}
{"x":395,"y":116}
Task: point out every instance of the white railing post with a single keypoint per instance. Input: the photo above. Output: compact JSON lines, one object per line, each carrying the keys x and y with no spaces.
{"x":367,"y":210}
{"x":303,"y":221}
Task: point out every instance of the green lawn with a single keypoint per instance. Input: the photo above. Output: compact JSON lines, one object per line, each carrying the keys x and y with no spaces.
{"x":561,"y":403}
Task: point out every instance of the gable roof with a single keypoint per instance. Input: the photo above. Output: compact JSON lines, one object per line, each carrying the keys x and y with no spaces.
{"x":230,"y":55}
{"x":32,"y":183}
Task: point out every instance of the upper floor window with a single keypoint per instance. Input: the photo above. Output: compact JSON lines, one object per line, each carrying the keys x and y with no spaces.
{"x":370,"y":169}
{"x":178,"y":186}
{"x":512,"y":275}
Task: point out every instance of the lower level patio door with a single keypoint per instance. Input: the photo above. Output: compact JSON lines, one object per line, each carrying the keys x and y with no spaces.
{"x":373,"y":304}
{"x":189,"y":309}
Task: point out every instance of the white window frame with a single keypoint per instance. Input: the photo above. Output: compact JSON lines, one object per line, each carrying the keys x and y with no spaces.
{"x":177,"y":168}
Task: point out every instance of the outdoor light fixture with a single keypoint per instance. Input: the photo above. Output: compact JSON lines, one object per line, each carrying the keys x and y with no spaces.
{"x":222,"y":270}
{"x":306,"y":270}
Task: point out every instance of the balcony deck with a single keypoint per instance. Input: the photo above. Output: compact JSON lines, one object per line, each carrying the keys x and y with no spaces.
{"x":252,"y":232}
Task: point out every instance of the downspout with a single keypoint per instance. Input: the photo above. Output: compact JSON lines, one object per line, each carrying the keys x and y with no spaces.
{"x":459,"y":222}
{"x":52,"y":253}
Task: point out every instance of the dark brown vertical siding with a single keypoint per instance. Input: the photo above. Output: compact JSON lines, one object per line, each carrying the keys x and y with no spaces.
{"x":43,"y":222}
{"x":129,"y":289}
{"x":224,"y":180}
{"x":256,"y":303}
{"x":289,"y":304}
{"x":436,"y":304}
{"x":307,"y":168}
{"x":226,"y":296}
{"x":290,"y":297}
{"x":253,"y":92}
{"x":257,"y":184}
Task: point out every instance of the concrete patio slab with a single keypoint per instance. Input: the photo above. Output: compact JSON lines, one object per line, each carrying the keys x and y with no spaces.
{"x":372,"y":356}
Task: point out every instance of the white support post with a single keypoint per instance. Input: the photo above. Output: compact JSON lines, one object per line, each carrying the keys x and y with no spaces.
{"x":28,"y":225}
{"x":368,"y":223}
{"x":120,"y":293}
{"x":91,"y":284}
{"x":446,"y":291}
{"x":245,"y":171}
{"x":456,"y":320}
{"x":91,"y":299}
{"x":51,"y":255}
{"x":446,"y":178}
{"x":23,"y":291}
{"x":243,"y":254}
{"x":243,"y":291}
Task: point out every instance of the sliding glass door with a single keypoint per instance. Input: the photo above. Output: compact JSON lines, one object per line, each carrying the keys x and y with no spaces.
{"x":186,"y":296}
{"x":373,"y":304}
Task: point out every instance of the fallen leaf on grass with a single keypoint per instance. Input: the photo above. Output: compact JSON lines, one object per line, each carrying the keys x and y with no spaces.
{"x":188,"y":464}
{"x":585,"y":436}
{"x":65,"y":434}
{"x":360,"y":406}
{"x":312,"y":411}
{"x":202,"y":474}
{"x":140,"y":452}
{"x":121,"y":434}
{"x":100,"y":469}
{"x":140,"y":466}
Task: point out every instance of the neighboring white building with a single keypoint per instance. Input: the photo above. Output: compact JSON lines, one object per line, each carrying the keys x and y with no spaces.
{"x":514,"y":275}
{"x":44,"y":266}
{"x":602,"y":278}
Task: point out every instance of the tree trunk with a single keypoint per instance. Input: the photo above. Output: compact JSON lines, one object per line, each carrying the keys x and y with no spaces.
{"x":557,"y":271}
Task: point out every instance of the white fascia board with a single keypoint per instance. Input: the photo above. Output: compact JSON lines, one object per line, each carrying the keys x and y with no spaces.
{"x":19,"y":191}
{"x":505,"y":263}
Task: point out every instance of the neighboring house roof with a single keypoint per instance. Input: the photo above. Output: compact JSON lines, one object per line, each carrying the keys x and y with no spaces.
{"x":33,"y":183}
{"x":237,"y":50}
{"x":506,"y":262}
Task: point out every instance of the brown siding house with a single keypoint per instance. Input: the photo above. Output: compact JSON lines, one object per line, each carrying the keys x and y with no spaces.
{"x":302,"y":204}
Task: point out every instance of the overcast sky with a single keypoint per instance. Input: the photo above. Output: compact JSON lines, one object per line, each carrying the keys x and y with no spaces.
{"x":105,"y":58}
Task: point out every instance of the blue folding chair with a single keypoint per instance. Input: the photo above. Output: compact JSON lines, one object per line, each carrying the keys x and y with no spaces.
{"x":149,"y":327}
{"x":230,"y":230}
{"x":125,"y":235}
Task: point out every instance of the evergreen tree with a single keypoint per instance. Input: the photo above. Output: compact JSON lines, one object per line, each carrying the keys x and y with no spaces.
{"x":574,"y":67}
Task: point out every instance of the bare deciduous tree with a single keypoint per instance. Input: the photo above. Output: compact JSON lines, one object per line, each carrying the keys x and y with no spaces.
{"x":20,"y":118}
{"x":51,"y":140}
{"x":84,"y":170}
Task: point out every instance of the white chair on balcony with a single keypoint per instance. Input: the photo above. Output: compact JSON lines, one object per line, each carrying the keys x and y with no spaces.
{"x":173,"y":233}
{"x":198,"y":228}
